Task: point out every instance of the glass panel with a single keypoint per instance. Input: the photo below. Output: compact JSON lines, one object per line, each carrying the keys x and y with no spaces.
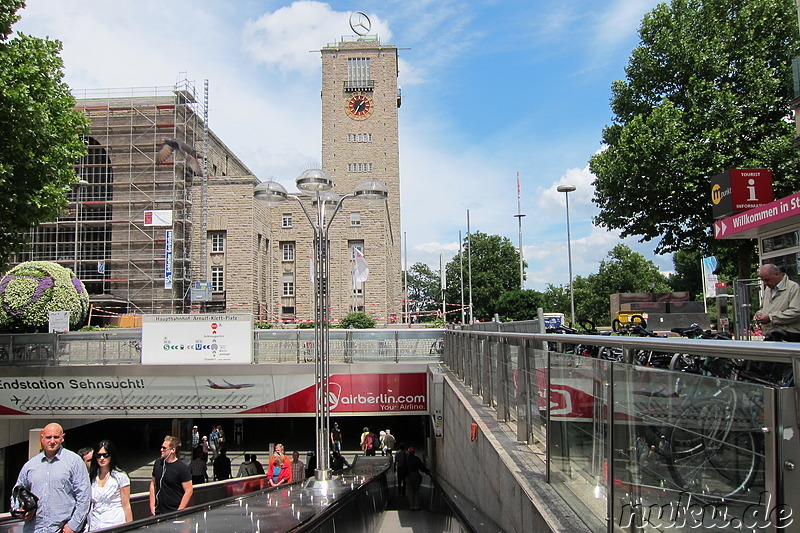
{"x":512,"y":388}
{"x":578,"y":434}
{"x":780,"y":242}
{"x":689,"y":452}
{"x":536,"y":398}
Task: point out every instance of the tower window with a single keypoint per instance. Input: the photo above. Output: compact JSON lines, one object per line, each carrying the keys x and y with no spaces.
{"x":358,"y":72}
{"x":217,"y":278}
{"x":359,"y":167}
{"x":359,"y":137}
{"x":286,"y":220}
{"x":288,"y":251}
{"x":217,"y":241}
{"x":355,"y":218}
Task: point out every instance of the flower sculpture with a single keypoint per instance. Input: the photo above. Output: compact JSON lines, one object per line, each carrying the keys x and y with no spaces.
{"x":29,"y":291}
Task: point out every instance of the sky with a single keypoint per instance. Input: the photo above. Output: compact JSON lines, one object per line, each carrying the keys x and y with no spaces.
{"x":490,"y":89}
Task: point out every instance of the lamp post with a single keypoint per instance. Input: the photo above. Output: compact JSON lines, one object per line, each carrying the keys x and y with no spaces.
{"x":80,"y":185}
{"x":325,"y":204}
{"x":566,"y":189}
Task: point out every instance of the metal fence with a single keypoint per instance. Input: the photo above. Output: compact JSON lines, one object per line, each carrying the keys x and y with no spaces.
{"x":636,"y":448}
{"x":124,"y":346}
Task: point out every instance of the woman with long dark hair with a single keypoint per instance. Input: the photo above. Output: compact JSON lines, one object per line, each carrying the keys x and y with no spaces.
{"x":111,"y":489}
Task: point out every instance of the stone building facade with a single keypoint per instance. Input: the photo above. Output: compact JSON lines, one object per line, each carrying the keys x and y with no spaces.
{"x":143,"y":233}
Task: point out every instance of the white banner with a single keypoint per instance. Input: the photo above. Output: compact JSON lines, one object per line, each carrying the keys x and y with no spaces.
{"x":158,"y":217}
{"x":709,"y":278}
{"x":197,"y":339}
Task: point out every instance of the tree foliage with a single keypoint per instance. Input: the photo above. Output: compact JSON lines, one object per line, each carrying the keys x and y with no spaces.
{"x":357,"y":321}
{"x":623,"y":270}
{"x":495,"y":270}
{"x":424,"y":290}
{"x":39,"y":132}
{"x":519,"y":304}
{"x":707,"y":89}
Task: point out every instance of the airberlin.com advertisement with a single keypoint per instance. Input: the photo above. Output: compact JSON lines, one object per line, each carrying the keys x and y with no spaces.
{"x":196,"y":395}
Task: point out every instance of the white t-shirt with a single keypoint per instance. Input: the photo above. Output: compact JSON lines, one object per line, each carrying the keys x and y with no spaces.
{"x":107,"y":503}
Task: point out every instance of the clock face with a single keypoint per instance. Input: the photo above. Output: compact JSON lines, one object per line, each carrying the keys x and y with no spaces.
{"x":359,"y":107}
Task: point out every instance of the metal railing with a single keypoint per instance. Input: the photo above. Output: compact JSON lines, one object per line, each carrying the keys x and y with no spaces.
{"x":635,"y":448}
{"x":124,"y":346}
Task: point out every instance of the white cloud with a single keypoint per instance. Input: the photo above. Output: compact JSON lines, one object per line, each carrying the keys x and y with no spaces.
{"x":289,"y":37}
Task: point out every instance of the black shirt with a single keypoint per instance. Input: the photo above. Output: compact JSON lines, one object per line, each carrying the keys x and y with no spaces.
{"x":169,"y":479}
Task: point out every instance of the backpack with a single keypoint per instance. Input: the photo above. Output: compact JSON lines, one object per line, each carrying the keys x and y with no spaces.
{"x":375,"y":443}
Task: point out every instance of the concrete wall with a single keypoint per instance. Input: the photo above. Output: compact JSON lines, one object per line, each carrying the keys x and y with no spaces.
{"x":505,"y":478}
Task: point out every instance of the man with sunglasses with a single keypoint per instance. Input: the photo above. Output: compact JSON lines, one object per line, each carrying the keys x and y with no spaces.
{"x":171,"y":484}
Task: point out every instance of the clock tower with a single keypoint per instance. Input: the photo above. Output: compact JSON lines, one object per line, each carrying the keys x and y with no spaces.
{"x":360,"y":99}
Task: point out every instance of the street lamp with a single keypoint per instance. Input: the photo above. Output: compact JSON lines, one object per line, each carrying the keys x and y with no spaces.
{"x":324,"y":205}
{"x":566,"y":189}
{"x":80,"y":185}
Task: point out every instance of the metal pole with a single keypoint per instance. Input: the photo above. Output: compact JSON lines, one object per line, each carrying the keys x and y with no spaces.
{"x":569,"y":259}
{"x":519,"y":216}
{"x":321,"y":360}
{"x":469,"y":270}
{"x":461,"y":276}
{"x":405,"y":278}
{"x":443,"y":283}
{"x":566,"y":189}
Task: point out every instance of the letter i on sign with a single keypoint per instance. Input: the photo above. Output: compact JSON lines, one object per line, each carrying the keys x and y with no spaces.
{"x":752,"y":190}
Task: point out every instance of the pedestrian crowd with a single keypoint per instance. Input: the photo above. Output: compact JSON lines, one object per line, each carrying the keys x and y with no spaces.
{"x":59,"y":490}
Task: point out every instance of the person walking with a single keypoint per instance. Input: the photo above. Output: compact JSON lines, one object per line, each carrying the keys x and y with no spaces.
{"x":213,"y":444}
{"x":111,"y":489}
{"x":171,"y":483}
{"x":87,"y":454}
{"x":278,"y":474}
{"x":222,"y":465}
{"x":368,"y":440}
{"x":387,"y":443}
{"x":60,"y":479}
{"x":298,"y":468}
{"x":401,"y":468}
{"x":287,"y":462}
{"x":195,"y":438}
{"x":336,"y":438}
{"x":198,"y":468}
{"x":414,"y":467}
{"x":247,"y":468}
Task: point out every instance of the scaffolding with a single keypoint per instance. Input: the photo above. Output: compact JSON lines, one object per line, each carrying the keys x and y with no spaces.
{"x":129,"y":261}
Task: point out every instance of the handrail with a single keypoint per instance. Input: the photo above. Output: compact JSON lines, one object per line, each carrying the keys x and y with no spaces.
{"x":755,"y":350}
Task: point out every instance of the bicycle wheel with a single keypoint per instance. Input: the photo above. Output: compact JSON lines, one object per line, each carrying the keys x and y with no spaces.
{"x":616,"y":325}
{"x":637,"y":320}
{"x":707,"y":457}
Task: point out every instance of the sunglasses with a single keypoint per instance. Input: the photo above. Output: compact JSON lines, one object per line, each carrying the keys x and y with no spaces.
{"x":103,"y":455}
{"x":165,"y":448}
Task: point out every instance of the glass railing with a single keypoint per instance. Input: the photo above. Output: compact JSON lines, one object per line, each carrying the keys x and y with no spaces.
{"x":124,"y":346}
{"x":636,"y":448}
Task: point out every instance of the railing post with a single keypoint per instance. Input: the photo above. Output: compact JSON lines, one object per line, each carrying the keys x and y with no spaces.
{"x":486,"y":371}
{"x":524,"y":391}
{"x":503,"y":360}
{"x":396,"y":346}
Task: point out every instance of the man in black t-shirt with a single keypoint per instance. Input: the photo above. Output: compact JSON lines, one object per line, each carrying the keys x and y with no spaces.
{"x":171,"y":484}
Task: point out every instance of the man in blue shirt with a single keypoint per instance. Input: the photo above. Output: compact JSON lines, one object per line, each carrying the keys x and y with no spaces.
{"x":60,"y":480}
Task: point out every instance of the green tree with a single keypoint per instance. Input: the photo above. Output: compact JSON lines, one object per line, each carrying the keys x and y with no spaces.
{"x":622,"y":271}
{"x":688,"y":274}
{"x":707,"y":89}
{"x":357,"y":321}
{"x":519,"y":304}
{"x":495,"y":270}
{"x":424,"y":290}
{"x":555,"y":299}
{"x":39,"y":133}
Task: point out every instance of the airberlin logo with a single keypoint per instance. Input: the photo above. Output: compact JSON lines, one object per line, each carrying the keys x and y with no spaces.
{"x":387,"y":401}
{"x":717,"y":194}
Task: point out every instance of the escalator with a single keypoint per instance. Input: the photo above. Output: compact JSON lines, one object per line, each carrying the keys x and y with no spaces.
{"x":357,"y":499}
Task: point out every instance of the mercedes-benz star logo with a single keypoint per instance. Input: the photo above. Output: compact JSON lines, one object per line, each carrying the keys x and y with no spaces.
{"x":359,"y":23}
